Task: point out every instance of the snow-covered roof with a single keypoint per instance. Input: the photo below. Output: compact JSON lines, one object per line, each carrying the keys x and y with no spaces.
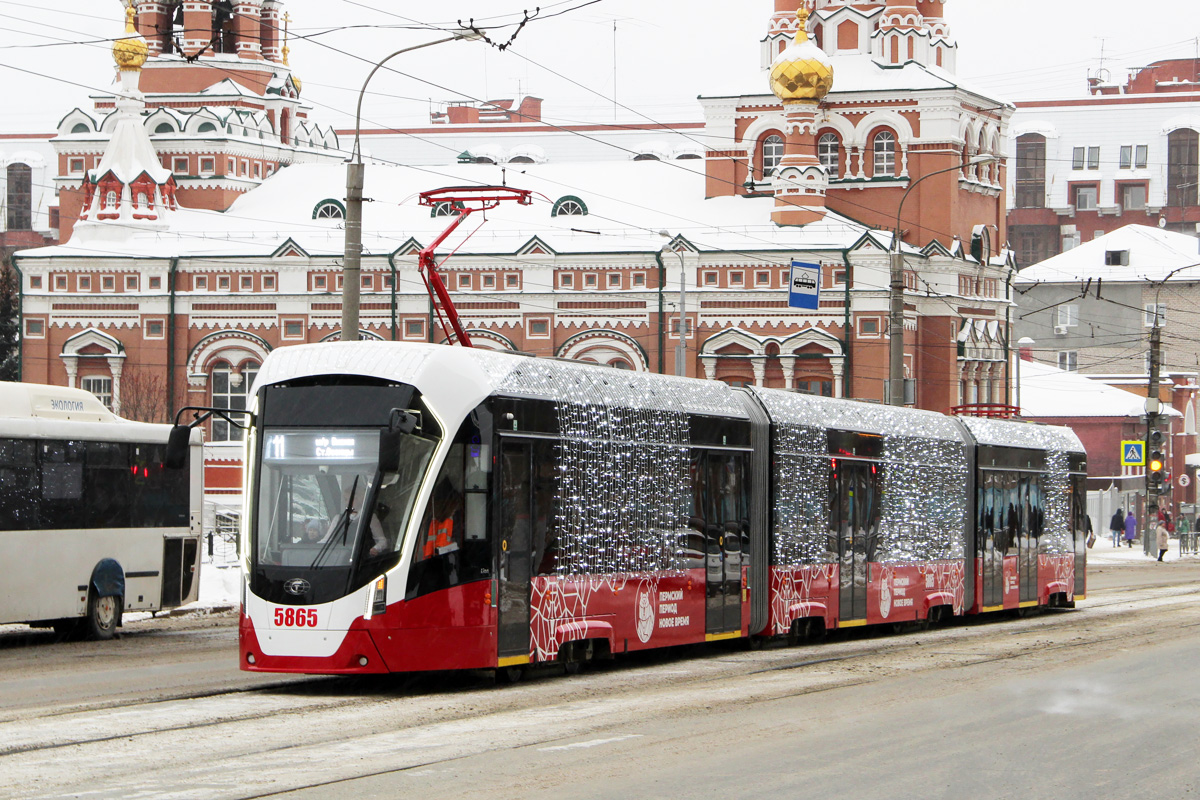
{"x":1047,"y":391}
{"x":1153,"y":254}
{"x":628,"y":204}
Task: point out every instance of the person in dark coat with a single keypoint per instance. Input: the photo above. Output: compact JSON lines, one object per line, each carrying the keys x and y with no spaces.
{"x":1116,"y":527}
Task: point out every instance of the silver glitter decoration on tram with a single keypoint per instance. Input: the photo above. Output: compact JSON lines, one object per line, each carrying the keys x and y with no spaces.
{"x":922,"y":485}
{"x":623,"y":459}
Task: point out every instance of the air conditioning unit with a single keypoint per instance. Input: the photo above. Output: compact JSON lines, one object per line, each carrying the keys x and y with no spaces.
{"x":1060,"y":330}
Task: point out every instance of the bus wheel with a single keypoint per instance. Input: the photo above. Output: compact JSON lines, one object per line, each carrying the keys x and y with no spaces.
{"x":103,"y":616}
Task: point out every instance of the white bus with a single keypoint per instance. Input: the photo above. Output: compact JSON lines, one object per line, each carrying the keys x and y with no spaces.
{"x":92,"y":523}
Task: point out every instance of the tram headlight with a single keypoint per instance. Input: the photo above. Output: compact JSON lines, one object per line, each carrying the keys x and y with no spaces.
{"x":379,"y":604}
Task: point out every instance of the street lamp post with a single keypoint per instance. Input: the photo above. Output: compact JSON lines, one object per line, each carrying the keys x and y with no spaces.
{"x":896,"y":291}
{"x":681,"y":348}
{"x":352,"y":255}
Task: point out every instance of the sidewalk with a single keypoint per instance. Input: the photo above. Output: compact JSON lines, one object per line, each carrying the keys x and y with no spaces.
{"x":1107,"y":555}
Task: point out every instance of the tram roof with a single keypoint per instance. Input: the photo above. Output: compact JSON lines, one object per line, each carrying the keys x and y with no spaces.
{"x":1033,"y":435}
{"x":854,"y":415}
{"x":460,"y":378}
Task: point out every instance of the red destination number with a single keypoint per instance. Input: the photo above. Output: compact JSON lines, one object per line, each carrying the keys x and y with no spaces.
{"x":295,"y":618}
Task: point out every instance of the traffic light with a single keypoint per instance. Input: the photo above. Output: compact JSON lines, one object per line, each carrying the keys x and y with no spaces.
{"x":1156,"y":463}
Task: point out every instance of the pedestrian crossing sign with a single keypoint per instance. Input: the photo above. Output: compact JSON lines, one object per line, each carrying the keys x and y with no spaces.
{"x":1133,"y":454}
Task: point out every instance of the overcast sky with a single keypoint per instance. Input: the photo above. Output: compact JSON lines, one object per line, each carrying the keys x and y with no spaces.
{"x":662,"y":55}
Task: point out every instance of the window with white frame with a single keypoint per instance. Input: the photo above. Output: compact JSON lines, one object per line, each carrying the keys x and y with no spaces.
{"x":638,"y":279}
{"x":762,"y":278}
{"x":1133,"y":196}
{"x":414,"y":329}
{"x":1068,"y":315}
{"x":512,"y":280}
{"x":566,"y":280}
{"x":489,"y":281}
{"x":1068,"y":360}
{"x":293,"y":329}
{"x":884,"y":146}
{"x":83,"y":283}
{"x":268,"y":283}
{"x":108,"y":283}
{"x":464,"y":280}
{"x":614,"y":280}
{"x":320,"y":283}
{"x":131,"y":283}
{"x":75,"y":166}
{"x":208,"y":166}
{"x":710,"y":279}
{"x":772,"y":154}
{"x":200,"y":283}
{"x":539,"y":329}
{"x":1086,"y":197}
{"x":229,"y":390}
{"x":1126,"y":161}
{"x":154,"y":329}
{"x":1149,"y":315}
{"x":223,"y":283}
{"x":246,"y":283}
{"x":737,"y":278}
{"x":828,"y":148}
{"x":155,"y":282}
{"x":367,"y":281}
{"x":1078,"y":157}
{"x":590,"y":280}
{"x":180,"y":165}
{"x":60,"y":283}
{"x":35,"y":328}
{"x":100,"y":386}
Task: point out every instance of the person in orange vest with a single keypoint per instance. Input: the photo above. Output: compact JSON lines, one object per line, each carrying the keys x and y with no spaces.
{"x":440,"y":537}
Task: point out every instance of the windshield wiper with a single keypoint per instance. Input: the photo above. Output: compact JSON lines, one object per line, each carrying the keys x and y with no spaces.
{"x":343,"y":524}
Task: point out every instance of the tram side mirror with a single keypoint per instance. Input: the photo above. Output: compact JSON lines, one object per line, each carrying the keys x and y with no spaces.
{"x":400,"y":424}
{"x":177,"y":447}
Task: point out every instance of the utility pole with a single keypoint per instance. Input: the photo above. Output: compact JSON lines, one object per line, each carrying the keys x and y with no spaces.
{"x":1155,"y":455}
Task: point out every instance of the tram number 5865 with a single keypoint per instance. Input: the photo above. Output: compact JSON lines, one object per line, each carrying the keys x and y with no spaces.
{"x":295,"y":617}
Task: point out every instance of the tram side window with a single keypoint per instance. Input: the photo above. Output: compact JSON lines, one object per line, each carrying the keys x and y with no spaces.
{"x":451,"y":546}
{"x":546,"y":545}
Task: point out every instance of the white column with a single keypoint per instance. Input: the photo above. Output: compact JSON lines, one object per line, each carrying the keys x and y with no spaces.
{"x":789,"y":371}
{"x":115,"y":363}
{"x":710,"y":367}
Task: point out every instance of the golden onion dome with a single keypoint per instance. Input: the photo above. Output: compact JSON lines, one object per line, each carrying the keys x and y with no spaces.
{"x":130,"y":51}
{"x":802,"y":72}
{"x":297,"y":83}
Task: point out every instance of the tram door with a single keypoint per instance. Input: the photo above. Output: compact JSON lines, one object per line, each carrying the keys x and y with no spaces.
{"x":992,"y":538}
{"x":854,"y":510}
{"x":513,"y":542}
{"x":721,"y":510}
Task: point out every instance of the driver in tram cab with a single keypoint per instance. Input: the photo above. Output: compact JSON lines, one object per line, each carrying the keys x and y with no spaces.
{"x":380,"y":542}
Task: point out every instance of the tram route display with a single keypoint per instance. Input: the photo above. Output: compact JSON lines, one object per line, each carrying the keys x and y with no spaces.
{"x":421,"y":507}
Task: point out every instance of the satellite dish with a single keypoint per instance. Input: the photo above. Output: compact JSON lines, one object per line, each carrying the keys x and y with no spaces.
{"x":1162,"y":222}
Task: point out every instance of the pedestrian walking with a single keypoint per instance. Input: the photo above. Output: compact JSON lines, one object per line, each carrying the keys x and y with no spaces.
{"x":1186,"y":542}
{"x":1116,"y":527}
{"x":1164,"y":538}
{"x":1130,"y":528}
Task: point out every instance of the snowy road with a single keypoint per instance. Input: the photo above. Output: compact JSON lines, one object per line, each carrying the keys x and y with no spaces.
{"x":164,"y":713}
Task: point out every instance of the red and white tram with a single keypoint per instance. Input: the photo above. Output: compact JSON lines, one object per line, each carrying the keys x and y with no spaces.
{"x":423,"y":507}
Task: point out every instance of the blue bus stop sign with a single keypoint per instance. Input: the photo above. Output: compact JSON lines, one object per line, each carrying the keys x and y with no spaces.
{"x":804,"y":289}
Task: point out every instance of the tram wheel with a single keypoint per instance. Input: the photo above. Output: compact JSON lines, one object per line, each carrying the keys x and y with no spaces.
{"x":103,"y":616}
{"x":574,"y":655}
{"x":511,"y":675}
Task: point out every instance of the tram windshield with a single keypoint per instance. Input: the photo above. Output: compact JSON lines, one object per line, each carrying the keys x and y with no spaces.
{"x":324,"y":505}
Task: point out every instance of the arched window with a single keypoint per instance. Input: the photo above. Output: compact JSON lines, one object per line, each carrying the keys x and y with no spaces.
{"x":20,"y":197}
{"x":772,"y":154}
{"x":646,"y":157}
{"x":828,"y":148}
{"x":884,"y":149}
{"x":520,"y":160}
{"x":446,"y":208}
{"x":206,"y":127}
{"x":110,"y":198}
{"x":329,"y":209}
{"x":164,"y":127}
{"x":230,"y":386}
{"x":569,"y":206}
{"x":1031,"y":171}
{"x":80,"y":127}
{"x":1183,"y":146}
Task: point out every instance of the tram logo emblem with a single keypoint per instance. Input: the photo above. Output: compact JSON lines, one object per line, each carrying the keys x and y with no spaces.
{"x":297,"y":586}
{"x":645,"y":612}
